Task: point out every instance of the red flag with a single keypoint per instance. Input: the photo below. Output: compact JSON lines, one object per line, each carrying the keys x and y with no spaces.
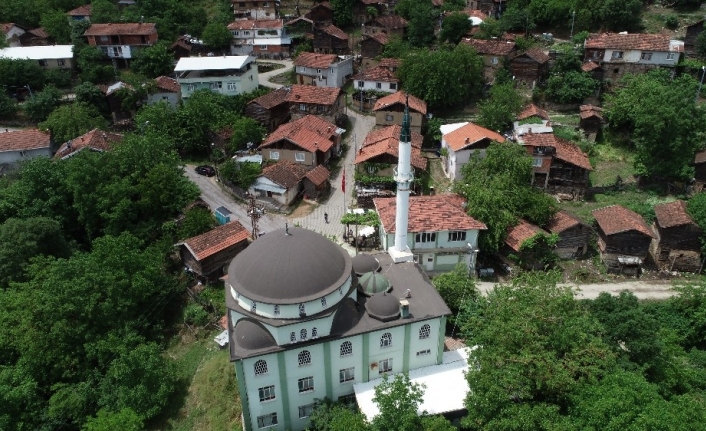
{"x":343,"y":181}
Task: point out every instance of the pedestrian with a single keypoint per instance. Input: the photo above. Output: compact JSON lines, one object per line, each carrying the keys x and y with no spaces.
{"x":326,"y":217}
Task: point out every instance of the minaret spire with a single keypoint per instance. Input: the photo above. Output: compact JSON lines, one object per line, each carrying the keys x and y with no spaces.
{"x":404,"y":176}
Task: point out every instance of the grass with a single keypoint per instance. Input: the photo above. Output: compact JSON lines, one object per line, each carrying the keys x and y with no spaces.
{"x":438,"y":178}
{"x":609,"y":162}
{"x":654,"y":19}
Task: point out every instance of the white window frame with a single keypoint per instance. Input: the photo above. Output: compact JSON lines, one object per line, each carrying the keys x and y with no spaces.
{"x":457,"y":235}
{"x":292,"y":337}
{"x":61,"y":62}
{"x":393,"y":86}
{"x":386,"y":340}
{"x":302,"y":107}
{"x":537,"y":162}
{"x":424,"y":352}
{"x":306,"y":384}
{"x":318,"y":71}
{"x":235,"y":33}
{"x":306,"y":411}
{"x":266,"y":421}
{"x":424,"y":237}
{"x":303,"y":334}
{"x":263,"y":47}
{"x":323,"y":299}
{"x":216,"y":85}
{"x":190,"y":87}
{"x":647,"y":56}
{"x":314,"y":332}
{"x":361,"y":84}
{"x":346,"y":375}
{"x":231,"y":86}
{"x":389,"y":117}
{"x":302,"y":309}
{"x":494,"y":60}
{"x":274,"y":155}
{"x":266,"y":393}
{"x":378,"y":85}
{"x":616,"y":55}
{"x":253,"y":307}
{"x":670,"y":56}
{"x":276,"y":310}
{"x":300,"y":157}
{"x":385,"y":366}
{"x":104,"y":38}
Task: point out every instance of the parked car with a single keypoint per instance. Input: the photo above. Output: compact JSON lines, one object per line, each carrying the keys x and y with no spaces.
{"x":209,"y":171}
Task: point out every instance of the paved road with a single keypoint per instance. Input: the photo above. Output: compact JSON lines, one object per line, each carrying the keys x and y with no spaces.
{"x":264,"y":78}
{"x":641,"y":289}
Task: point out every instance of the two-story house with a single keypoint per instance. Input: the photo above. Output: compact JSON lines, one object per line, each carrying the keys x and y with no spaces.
{"x":271,"y":109}
{"x":459,"y":141}
{"x":310,"y":141}
{"x":81,"y":13}
{"x":391,"y":25}
{"x":323,"y":70}
{"x":249,"y":9}
{"x":623,"y":239}
{"x":21,"y":145}
{"x":440,"y":233}
{"x":621,"y":53}
{"x":389,"y":110}
{"x":121,"y":40}
{"x":379,"y":154}
{"x":495,"y":53}
{"x":329,"y":39}
{"x":320,"y":13}
{"x":529,"y":67}
{"x":376,"y":79}
{"x":227,"y":75}
{"x":325,"y":102}
{"x":165,"y":89}
{"x":260,"y":37}
{"x":48,"y":57}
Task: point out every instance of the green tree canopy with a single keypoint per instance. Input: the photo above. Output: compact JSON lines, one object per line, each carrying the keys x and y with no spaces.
{"x":70,"y":121}
{"x":105,"y":420}
{"x":501,"y":108}
{"x":89,"y":94}
{"x":422,"y":19}
{"x":454,"y":27}
{"x":8,"y":106}
{"x":18,"y":74}
{"x":154,"y":61}
{"x":42,"y":103}
{"x":217,"y":36}
{"x":342,"y":12}
{"x":196,"y":221}
{"x":570,"y":87}
{"x":56,"y":24}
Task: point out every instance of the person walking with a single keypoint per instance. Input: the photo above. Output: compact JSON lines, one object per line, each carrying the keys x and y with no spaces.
{"x":326,"y":217}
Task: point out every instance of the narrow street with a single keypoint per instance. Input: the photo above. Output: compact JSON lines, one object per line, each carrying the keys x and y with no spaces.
{"x":264,"y":78}
{"x":641,"y":289}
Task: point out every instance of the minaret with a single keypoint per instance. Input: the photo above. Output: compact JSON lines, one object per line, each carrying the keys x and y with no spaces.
{"x":400,"y":252}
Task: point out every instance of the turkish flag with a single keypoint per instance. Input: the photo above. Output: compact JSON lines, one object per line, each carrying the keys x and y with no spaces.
{"x":343,"y":181}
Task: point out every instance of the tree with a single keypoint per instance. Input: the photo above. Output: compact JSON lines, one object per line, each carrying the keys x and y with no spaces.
{"x":241,"y":174}
{"x":342,"y":12}
{"x":664,"y":123}
{"x":455,"y":27}
{"x":501,"y":108}
{"x":8,"y":107}
{"x":498,"y":191}
{"x":43,"y":103}
{"x":90,"y":62}
{"x":490,"y":28}
{"x":246,"y":131}
{"x":90,"y":95}
{"x":155,"y":60}
{"x":570,"y":87}
{"x":422,"y":21}
{"x":70,"y":121}
{"x":701,"y":44}
{"x":104,"y":11}
{"x":126,"y":419}
{"x":16,"y":75}
{"x":538,"y":250}
{"x":197,"y":221}
{"x":329,"y":416}
{"x":620,"y":15}
{"x":696,"y":207}
{"x":456,"y":288}
{"x":58,"y":27}
{"x":446,"y":77}
{"x":217,"y":36}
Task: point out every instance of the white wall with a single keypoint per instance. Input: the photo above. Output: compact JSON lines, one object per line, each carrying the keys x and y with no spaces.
{"x":16,"y":156}
{"x":373,"y":85}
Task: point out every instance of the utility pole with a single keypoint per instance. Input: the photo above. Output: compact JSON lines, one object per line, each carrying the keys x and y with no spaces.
{"x":701,"y":83}
{"x":573,"y":17}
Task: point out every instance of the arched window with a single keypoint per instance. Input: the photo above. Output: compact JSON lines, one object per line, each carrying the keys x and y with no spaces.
{"x":386,"y":340}
{"x":304,"y":358}
{"x":346,"y":348}
{"x":253,"y":307}
{"x":302,"y":334}
{"x":302,"y":309}
{"x":323,"y":301}
{"x":314,"y":332}
{"x":340,"y":290}
{"x":276,"y":310}
{"x":292,"y":337}
{"x":260,"y":367}
{"x":424,"y":332}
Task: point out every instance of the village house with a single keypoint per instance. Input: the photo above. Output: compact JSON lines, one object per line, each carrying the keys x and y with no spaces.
{"x":594,"y":69}
{"x":574,"y":235}
{"x":309,"y":141}
{"x":227,"y":75}
{"x":207,"y":255}
{"x":379,"y":154}
{"x":371,"y":47}
{"x":591,"y":119}
{"x":36,"y":37}
{"x":166,"y":90}
{"x":329,"y":39}
{"x":692,"y":32}
{"x":621,"y":53}
{"x":94,"y":140}
{"x":323,"y":70}
{"x":529,"y":67}
{"x":181,"y":48}
{"x":48,"y":57}
{"x":270,"y":110}
{"x":261,"y":37}
{"x":376,"y":79}
{"x":677,"y":246}
{"x":115,"y":102}
{"x":700,"y":166}
{"x":495,"y":53}
{"x":623,"y":239}
{"x":316,"y":183}
{"x":121,"y":40}
{"x":559,"y":166}
{"x":249,"y":9}
{"x":327,"y":103}
{"x":532,"y":119}
{"x":459,"y":141}
{"x":320,"y":13}
{"x":12,"y":33}
{"x":280,"y":183}
{"x":439,"y":232}
{"x":361,"y":9}
{"x":391,"y":25}
{"x":21,"y":145}
{"x":516,"y":236}
{"x":81,"y":13}
{"x":389,"y":110}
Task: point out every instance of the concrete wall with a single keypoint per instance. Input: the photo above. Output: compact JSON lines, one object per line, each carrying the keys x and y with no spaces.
{"x":373,"y":85}
{"x":170,"y":98}
{"x":445,"y":254}
{"x":16,"y":156}
{"x":289,"y":155}
{"x":389,"y":118}
{"x":244,"y":83}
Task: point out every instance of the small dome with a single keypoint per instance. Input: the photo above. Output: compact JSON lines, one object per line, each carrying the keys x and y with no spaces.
{"x":252,"y":335}
{"x":365,"y":263}
{"x":372,"y":283}
{"x":346,"y":317}
{"x":383,"y":307}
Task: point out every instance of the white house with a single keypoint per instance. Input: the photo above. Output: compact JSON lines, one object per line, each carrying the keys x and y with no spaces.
{"x":260,"y":37}
{"x":440,"y":233}
{"x":166,"y":89}
{"x":227,"y":75}
{"x":24,"y":144}
{"x":460,"y":140}
{"x":376,"y":79}
{"x":323,"y":70}
{"x":12,"y":33}
{"x":49,"y":57}
{"x":280,"y":182}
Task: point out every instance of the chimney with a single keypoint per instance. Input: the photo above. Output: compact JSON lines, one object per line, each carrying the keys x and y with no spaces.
{"x":142,"y":19}
{"x":404,"y":308}
{"x":468,"y":140}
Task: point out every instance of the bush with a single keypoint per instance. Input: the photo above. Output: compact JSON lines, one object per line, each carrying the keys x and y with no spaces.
{"x":194,"y":314}
{"x":671,"y":21}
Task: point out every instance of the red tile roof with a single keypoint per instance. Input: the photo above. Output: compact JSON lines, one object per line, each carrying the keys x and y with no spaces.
{"x":334,"y":31}
{"x":617,"y":219}
{"x":310,"y":133}
{"x":273,"y":98}
{"x":700,"y":157}
{"x":391,"y":22}
{"x":84,"y":10}
{"x":415,"y":103}
{"x":312,"y":94}
{"x":323,"y":4}
{"x":390,"y":63}
{"x":120,"y":29}
{"x":589,"y":66}
{"x":39,"y":32}
{"x":251,"y":24}
{"x":533,"y":110}
{"x":536,"y":54}
{"x":470,"y":134}
{"x":561,"y":222}
{"x":96,"y":140}
{"x":315,"y":61}
{"x":318,"y":175}
{"x":378,"y":74}
{"x":490,"y":47}
{"x":7,"y":26}
{"x":672,"y":214}
{"x":587,"y":111}
{"x":285,"y":173}
{"x":24,"y":140}
{"x":565,"y":150}
{"x":167,"y":84}
{"x":428,"y":214}
{"x":215,"y":240}
{"x":520,"y":233}
{"x":637,"y":41}
{"x":387,"y":141}
{"x":381,"y":38}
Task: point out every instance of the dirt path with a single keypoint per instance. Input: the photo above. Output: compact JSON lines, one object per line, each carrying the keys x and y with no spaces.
{"x":264,"y":78}
{"x":641,"y":289}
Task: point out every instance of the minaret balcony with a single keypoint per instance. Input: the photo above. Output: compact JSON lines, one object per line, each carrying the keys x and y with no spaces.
{"x":404,"y":177}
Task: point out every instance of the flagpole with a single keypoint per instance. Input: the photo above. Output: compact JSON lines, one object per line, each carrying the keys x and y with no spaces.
{"x":343,"y":189}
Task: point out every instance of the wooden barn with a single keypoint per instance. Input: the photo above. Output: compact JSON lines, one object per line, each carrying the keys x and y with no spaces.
{"x":270,"y":110}
{"x":208,"y":254}
{"x":574,"y":235}
{"x":316,"y":183}
{"x":516,"y":236}
{"x":678,"y":243}
{"x":320,"y":13}
{"x":595,"y":69}
{"x":329,"y":39}
{"x":372,"y":46}
{"x":529,"y":67}
{"x":591,"y":118}
{"x":623,"y":239}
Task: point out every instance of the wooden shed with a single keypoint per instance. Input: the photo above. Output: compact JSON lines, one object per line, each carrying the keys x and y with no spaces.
{"x":210,"y":253}
{"x":623,"y":239}
{"x":329,"y":39}
{"x":516,"y":236}
{"x":574,"y":235}
{"x":270,"y":110}
{"x":591,"y":118}
{"x":320,"y":13}
{"x":316,"y":183}
{"x":529,"y":67}
{"x":678,"y":243}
